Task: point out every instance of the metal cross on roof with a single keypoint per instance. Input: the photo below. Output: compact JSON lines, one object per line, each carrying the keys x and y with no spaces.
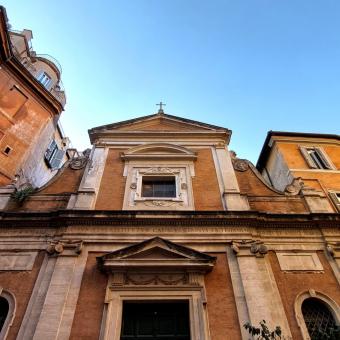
{"x":161,"y":107}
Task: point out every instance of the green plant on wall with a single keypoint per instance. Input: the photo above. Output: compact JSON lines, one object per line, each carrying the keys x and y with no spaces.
{"x":263,"y":332}
{"x":20,"y":195}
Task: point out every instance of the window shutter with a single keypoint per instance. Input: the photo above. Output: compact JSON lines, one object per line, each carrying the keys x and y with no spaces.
{"x":49,"y":151}
{"x":324,"y":158}
{"x":335,"y":199}
{"x":58,"y":157}
{"x":307,"y":158}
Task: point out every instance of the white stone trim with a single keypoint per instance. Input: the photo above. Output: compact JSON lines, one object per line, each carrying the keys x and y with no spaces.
{"x":11,"y":312}
{"x":238,"y":289}
{"x":330,"y":303}
{"x":197,"y":311}
{"x":183,"y":173}
{"x":299,"y":261}
{"x":90,"y":183}
{"x":37,"y":299}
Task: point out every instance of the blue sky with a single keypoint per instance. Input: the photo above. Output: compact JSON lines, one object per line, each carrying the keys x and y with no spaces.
{"x":248,"y":65}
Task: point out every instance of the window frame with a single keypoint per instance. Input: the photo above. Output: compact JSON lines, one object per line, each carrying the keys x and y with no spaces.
{"x":159,"y":179}
{"x":54,"y":155}
{"x":176,"y":196}
{"x":11,"y":312}
{"x":335,"y":197}
{"x":45,"y":79}
{"x":158,"y":172}
{"x":311,"y":293}
{"x":316,"y":157}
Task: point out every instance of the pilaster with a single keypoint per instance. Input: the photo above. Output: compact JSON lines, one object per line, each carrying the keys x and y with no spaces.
{"x":89,"y":186}
{"x":58,"y":309}
{"x":232,"y":199}
{"x":262,"y":297}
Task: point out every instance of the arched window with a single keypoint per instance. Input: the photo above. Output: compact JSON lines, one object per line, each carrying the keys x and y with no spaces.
{"x":4,"y":308}
{"x":318,"y":318}
{"x":7,"y":310}
{"x":317,"y":315}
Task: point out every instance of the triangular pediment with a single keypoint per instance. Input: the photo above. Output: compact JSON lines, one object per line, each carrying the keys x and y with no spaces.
{"x":156,"y":252}
{"x":159,"y":122}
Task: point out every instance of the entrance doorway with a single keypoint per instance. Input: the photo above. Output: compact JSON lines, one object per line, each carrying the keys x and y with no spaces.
{"x":155,"y":321}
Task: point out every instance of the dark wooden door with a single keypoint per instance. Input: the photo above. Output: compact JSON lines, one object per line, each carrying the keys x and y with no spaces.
{"x":155,"y":321}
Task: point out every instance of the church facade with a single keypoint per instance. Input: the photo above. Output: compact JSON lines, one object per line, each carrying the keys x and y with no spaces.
{"x":161,"y":232}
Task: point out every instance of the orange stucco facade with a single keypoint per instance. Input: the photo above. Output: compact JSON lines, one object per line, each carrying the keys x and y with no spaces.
{"x":22,"y":119}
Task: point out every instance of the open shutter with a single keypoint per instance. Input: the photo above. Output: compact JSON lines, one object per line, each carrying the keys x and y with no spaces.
{"x":49,"y":151}
{"x":324,"y":157}
{"x":335,"y":198}
{"x":58,"y":157}
{"x":307,"y":158}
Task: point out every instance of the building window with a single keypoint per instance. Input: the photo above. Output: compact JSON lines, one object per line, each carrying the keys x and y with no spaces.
{"x":319,"y":320}
{"x":316,"y":158}
{"x":45,"y":79}
{"x":7,"y":150}
{"x":4,"y":308}
{"x":335,"y":196}
{"x":158,"y":186}
{"x":7,"y":311}
{"x":54,"y":156}
{"x":155,"y":320}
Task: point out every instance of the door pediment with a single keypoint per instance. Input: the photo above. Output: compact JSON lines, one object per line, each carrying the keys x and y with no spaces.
{"x":156,"y":254}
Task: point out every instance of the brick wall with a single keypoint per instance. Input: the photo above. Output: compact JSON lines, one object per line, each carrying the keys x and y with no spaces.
{"x":20,"y":284}
{"x":205,"y":185}
{"x":89,"y":310}
{"x":292,"y":284}
{"x":112,"y":186}
{"x":222,"y":313}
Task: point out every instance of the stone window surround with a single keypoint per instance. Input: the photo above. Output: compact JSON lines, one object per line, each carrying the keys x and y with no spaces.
{"x":311,"y":293}
{"x":159,"y":172}
{"x":112,"y":317}
{"x":158,"y":159}
{"x":136,"y":170}
{"x":11,"y":312}
{"x":311,"y":162}
{"x":335,"y":197}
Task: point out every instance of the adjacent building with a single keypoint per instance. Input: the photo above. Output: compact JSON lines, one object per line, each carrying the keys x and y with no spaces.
{"x":32,"y":144}
{"x":310,"y":158}
{"x":160,"y":232}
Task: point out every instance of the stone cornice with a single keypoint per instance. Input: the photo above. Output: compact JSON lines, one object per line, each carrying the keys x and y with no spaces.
{"x":64,"y":218}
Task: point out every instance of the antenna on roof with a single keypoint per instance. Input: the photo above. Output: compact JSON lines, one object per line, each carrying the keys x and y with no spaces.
{"x":160,"y":111}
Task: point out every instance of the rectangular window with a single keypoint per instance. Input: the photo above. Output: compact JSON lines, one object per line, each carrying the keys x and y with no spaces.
{"x":44,"y":79}
{"x":335,"y":196}
{"x":53,"y":155}
{"x":158,"y":186}
{"x":316,"y":158}
{"x":155,"y":320}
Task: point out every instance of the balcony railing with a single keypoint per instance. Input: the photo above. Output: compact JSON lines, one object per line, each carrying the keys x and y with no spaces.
{"x":51,"y":59}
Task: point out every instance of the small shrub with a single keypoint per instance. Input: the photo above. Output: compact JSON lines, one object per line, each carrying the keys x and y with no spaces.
{"x":263,"y":332}
{"x":20,"y":195}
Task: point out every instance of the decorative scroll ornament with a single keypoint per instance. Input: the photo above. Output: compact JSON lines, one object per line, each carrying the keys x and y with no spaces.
{"x":240,"y":165}
{"x":79,"y":160}
{"x":65,"y":247}
{"x":160,"y":203}
{"x":78,"y":163}
{"x":184,"y":186}
{"x":258,"y":248}
{"x":159,"y":170}
{"x":295,"y":187}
